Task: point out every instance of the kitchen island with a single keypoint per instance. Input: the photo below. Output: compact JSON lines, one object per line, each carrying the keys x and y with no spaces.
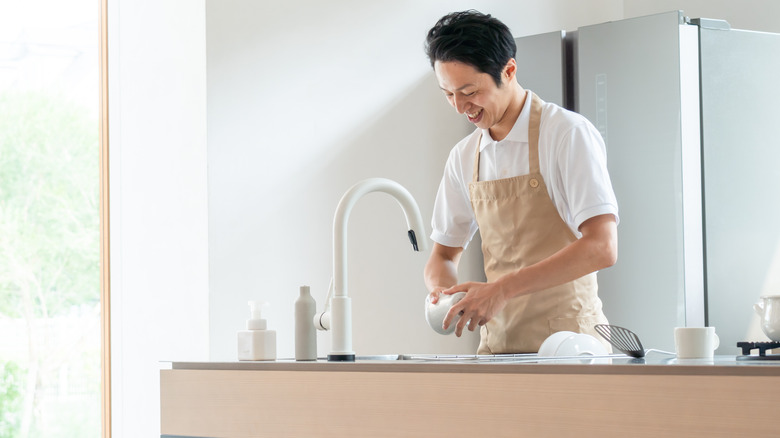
{"x":463,"y":396}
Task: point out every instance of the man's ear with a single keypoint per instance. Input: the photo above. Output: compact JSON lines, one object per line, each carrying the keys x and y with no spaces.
{"x":510,"y":69}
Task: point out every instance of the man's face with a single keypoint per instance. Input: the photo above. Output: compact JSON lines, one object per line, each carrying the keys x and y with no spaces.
{"x":474,"y":93}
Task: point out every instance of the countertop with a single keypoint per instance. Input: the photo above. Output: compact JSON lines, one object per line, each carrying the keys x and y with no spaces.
{"x":652,"y":364}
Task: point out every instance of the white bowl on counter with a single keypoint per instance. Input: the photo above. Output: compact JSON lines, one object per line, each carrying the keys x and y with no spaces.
{"x":566,"y":343}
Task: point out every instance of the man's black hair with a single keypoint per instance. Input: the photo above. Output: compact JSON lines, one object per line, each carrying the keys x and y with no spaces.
{"x":472,"y":38}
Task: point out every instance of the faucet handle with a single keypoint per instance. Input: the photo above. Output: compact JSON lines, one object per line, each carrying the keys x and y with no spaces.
{"x":322,"y":321}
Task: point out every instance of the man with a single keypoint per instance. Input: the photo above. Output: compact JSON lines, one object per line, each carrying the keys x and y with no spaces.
{"x":533,"y":178}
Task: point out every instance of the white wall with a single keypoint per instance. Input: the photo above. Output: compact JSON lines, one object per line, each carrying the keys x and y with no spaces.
{"x":305,"y":98}
{"x":159,"y":259}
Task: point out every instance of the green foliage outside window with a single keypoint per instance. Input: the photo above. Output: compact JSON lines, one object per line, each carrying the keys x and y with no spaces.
{"x":11,"y":381}
{"x":49,"y":266}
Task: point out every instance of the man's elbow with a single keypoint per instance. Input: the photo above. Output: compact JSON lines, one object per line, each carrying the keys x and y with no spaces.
{"x":610,"y":257}
{"x":608,"y":254}
{"x":601,"y":235}
{"x":604,"y":251}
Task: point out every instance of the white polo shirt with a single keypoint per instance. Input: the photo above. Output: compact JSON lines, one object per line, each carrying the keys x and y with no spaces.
{"x":572,"y":161}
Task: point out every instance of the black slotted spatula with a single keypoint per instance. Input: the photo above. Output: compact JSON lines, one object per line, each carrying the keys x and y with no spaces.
{"x":621,"y":338}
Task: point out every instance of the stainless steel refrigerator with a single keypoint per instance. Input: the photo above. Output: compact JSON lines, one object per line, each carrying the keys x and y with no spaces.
{"x":687,"y":109}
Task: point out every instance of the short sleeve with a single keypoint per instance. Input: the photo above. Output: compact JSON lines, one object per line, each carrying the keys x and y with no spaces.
{"x":582,"y":165}
{"x":453,"y":223}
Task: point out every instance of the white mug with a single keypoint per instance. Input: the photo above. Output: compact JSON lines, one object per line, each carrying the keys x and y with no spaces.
{"x":695,"y":342}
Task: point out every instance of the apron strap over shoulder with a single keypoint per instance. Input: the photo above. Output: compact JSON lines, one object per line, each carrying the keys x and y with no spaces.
{"x":533,"y":133}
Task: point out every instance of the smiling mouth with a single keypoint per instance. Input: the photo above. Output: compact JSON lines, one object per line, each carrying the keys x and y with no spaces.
{"x":474,"y":116}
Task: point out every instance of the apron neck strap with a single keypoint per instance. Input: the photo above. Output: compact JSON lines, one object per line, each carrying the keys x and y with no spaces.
{"x":533,"y":133}
{"x":475,"y":173}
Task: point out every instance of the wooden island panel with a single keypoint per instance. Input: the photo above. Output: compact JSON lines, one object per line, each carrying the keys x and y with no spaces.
{"x":284,"y":403}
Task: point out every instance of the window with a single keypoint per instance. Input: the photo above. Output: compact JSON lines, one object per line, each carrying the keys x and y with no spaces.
{"x":50,"y":249}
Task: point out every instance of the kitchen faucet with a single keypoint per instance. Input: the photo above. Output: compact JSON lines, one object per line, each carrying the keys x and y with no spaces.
{"x":337,"y":316}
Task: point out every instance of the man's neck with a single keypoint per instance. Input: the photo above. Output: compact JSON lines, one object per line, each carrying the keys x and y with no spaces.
{"x":500,"y":130}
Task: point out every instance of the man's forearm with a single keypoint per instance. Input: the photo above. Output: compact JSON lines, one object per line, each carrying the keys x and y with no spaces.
{"x":440,"y":275}
{"x":441,"y":271}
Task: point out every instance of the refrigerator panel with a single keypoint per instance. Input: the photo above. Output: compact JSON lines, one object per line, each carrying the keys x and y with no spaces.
{"x":741,"y":155}
{"x":540,"y":65}
{"x":630,"y":86}
{"x":692,"y":196}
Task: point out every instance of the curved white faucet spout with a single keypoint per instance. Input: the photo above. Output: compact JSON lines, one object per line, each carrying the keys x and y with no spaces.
{"x":341,"y":315}
{"x":341,"y":219}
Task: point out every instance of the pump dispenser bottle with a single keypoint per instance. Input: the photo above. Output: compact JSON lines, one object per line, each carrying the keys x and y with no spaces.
{"x":256,"y":342}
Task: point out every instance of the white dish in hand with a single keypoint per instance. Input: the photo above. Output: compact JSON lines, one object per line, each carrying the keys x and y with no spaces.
{"x":435,"y":313}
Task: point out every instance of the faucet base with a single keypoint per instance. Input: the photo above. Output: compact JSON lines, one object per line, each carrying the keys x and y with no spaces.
{"x":341,"y":357}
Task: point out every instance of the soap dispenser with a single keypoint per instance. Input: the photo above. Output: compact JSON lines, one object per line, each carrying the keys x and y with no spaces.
{"x":256,"y":342}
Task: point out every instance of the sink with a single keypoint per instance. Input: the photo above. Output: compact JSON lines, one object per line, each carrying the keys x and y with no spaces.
{"x":448,"y":357}
{"x":373,"y":357}
{"x":487,"y":358}
{"x":479,"y":358}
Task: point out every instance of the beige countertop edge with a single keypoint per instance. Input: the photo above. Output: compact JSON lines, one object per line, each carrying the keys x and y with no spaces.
{"x":734,"y":368}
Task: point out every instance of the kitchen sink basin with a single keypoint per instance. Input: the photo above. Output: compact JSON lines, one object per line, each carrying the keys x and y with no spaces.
{"x":485,"y":358}
{"x":382,"y":357}
{"x":447,"y":357}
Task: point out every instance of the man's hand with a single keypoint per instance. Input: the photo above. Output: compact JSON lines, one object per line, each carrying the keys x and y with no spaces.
{"x":481,"y":303}
{"x":433,"y":297}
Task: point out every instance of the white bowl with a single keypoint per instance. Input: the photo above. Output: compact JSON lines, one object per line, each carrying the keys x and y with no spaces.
{"x":566,"y":343}
{"x":550,"y":345}
{"x":435,"y":313}
{"x":581,"y":345}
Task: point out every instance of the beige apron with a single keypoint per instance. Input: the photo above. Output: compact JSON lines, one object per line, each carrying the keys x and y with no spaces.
{"x":520,"y":226}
